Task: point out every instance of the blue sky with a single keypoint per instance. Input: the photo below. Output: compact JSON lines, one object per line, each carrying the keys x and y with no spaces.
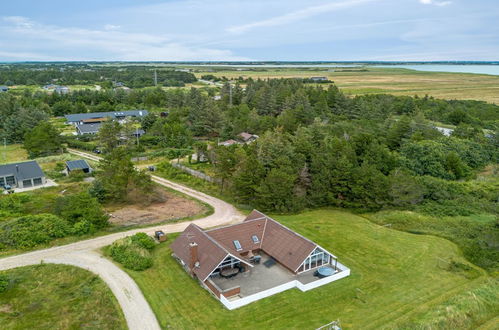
{"x":189,"y":30}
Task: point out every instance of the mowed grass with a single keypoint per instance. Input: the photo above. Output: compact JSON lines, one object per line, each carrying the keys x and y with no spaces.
{"x":396,"y":81}
{"x":58,"y":297}
{"x":396,"y":279}
{"x":12,"y":153}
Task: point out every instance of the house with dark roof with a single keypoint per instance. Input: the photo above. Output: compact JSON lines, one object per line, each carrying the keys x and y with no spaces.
{"x":78,"y":165}
{"x":318,"y":78}
{"x":21,"y":175}
{"x":81,"y":118}
{"x":259,"y":257}
{"x":83,"y":129}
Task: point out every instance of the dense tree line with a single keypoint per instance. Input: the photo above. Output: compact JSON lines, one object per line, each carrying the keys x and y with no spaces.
{"x":85,"y":74}
{"x":317,"y":146}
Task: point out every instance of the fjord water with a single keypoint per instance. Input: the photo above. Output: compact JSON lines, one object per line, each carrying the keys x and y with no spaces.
{"x":462,"y":68}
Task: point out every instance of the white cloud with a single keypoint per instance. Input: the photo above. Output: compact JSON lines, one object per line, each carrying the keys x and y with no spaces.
{"x":436,"y":3}
{"x":110,"y":27}
{"x":31,"y":40}
{"x":297,"y":15}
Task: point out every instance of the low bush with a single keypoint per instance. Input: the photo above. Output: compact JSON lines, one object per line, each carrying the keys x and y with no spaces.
{"x":31,"y":230}
{"x":144,"y":240}
{"x":82,"y":208}
{"x":4,"y":283}
{"x":87,"y":146}
{"x":133,"y":252}
{"x":13,"y":205}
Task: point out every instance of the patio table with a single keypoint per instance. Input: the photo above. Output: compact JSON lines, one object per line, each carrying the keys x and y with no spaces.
{"x":229,"y":272}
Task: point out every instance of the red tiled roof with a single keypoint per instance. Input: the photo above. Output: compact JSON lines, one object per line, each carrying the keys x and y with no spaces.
{"x":278,"y":241}
{"x":210,"y":254}
{"x":286,"y":246}
{"x":242,"y":232}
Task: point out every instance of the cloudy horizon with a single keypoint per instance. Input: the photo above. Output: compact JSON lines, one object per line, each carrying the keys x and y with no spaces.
{"x":229,"y":30}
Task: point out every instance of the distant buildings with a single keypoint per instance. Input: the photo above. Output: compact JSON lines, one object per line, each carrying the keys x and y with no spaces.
{"x":242,"y":138}
{"x":56,"y":88}
{"x":84,"y":129}
{"x":21,"y":175}
{"x":78,"y":165}
{"x":247,"y":137}
{"x":90,"y":123}
{"x":228,"y":143}
{"x":61,"y":90}
{"x":319,"y":78}
{"x":94,"y":117}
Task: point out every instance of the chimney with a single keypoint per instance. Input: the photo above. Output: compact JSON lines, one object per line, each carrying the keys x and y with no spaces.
{"x":17,"y":168}
{"x":193,"y":248}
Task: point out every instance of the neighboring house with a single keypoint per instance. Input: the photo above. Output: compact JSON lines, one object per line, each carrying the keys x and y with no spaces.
{"x":247,"y":137}
{"x":228,"y":143}
{"x":445,"y":131}
{"x":244,"y":137}
{"x":123,"y":88}
{"x":318,"y":78}
{"x":4,"y":89}
{"x":22,"y":175}
{"x":61,"y":90}
{"x":253,"y":260}
{"x":83,"y":129}
{"x":79,"y":118}
{"x":49,"y":87}
{"x":78,"y":165}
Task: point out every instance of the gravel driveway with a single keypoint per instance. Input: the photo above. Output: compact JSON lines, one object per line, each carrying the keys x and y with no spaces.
{"x":85,"y":254}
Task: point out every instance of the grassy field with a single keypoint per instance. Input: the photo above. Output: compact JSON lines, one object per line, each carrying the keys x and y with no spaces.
{"x":398,"y":280}
{"x":12,"y":153}
{"x":58,"y":297}
{"x":387,"y":80}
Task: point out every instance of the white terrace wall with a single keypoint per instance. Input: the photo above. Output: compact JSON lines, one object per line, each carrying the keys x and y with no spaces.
{"x":257,"y":296}
{"x":344,"y":272}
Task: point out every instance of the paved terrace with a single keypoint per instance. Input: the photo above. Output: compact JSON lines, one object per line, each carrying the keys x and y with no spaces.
{"x":260,"y":278}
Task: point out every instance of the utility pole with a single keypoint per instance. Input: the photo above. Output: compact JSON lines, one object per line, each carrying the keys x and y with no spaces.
{"x":155,"y":78}
{"x":230,"y":93}
{"x":137,"y":135}
{"x":5,"y":149}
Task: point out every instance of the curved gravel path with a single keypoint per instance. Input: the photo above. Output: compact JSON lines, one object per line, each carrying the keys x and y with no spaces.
{"x":84,"y":254}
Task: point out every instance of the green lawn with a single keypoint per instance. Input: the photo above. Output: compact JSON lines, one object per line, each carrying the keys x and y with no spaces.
{"x":58,"y":297}
{"x":12,"y":153}
{"x":397,"y":280}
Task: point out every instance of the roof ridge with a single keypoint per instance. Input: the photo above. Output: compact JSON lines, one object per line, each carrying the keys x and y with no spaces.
{"x":231,"y":225}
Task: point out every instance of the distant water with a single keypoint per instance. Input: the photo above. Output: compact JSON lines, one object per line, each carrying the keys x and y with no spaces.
{"x":463,"y":68}
{"x":492,"y":69}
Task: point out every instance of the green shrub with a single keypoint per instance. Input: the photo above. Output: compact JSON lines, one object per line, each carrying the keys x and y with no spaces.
{"x":83,"y":227}
{"x":144,"y":240}
{"x":128,"y":252}
{"x":33,"y":230}
{"x":12,"y":205}
{"x":4,"y":283}
{"x":81,"y":207}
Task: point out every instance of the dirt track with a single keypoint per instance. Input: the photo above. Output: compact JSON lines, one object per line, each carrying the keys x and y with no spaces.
{"x":85,"y":254}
